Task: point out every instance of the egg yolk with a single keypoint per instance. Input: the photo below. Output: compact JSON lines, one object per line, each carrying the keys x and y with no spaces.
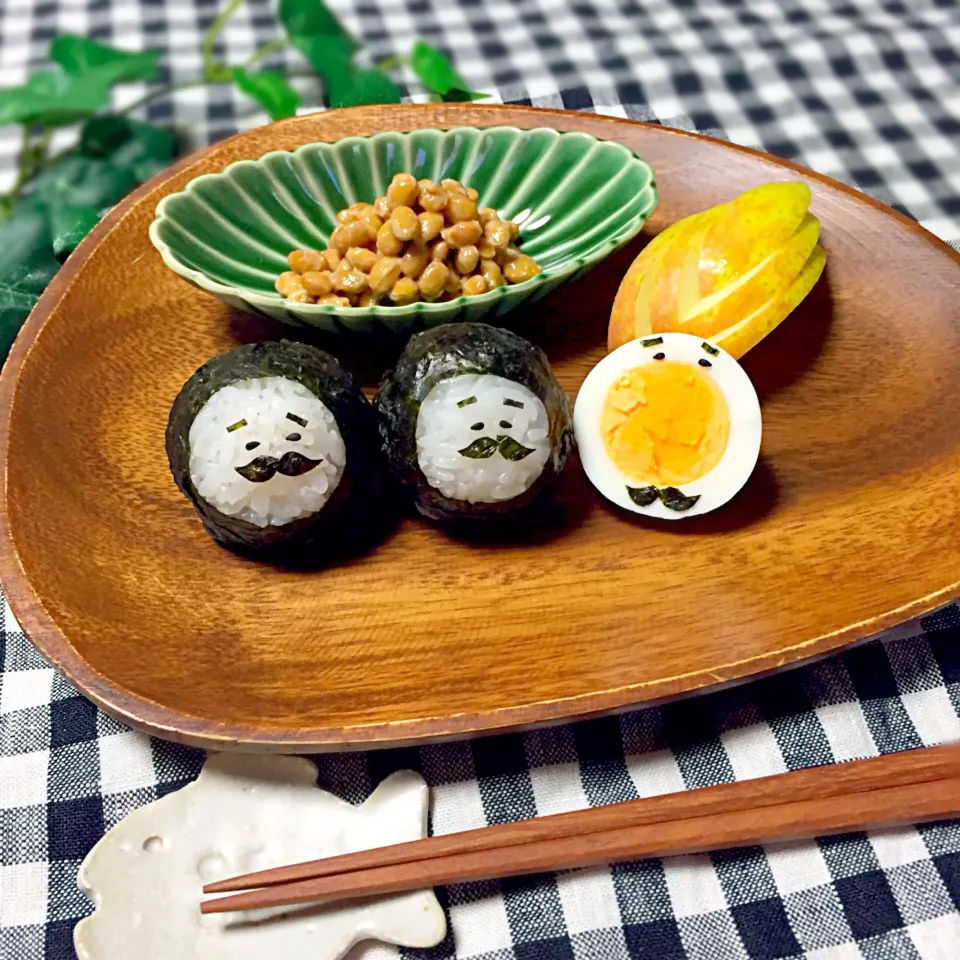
{"x":665,"y":423}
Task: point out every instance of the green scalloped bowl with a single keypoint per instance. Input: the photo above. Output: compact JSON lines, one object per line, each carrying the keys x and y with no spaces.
{"x":577,"y":199}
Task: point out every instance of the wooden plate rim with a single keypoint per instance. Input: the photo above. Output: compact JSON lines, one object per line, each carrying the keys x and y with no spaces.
{"x":155,"y":718}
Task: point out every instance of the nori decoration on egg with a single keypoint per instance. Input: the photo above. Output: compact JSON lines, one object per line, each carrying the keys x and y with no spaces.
{"x":674,"y":499}
{"x":651,"y":342}
{"x":643,"y":496}
{"x":710,"y":348}
{"x":451,"y":350}
{"x":351,"y":514}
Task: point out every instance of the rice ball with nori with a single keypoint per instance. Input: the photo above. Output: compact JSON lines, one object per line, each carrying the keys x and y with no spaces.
{"x":473,"y":421}
{"x":274,"y":444}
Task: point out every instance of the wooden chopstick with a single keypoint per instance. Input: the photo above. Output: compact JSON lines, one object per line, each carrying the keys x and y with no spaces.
{"x":732,"y":819}
{"x":914,"y":766}
{"x":886,"y":807}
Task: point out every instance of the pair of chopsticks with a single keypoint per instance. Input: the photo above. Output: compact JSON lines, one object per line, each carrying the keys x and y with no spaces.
{"x":881,"y":792}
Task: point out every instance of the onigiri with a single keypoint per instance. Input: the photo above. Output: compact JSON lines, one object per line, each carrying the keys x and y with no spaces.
{"x":275,"y":444}
{"x":473,"y":422}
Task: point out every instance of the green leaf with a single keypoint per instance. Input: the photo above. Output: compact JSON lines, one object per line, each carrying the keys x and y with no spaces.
{"x":69,"y":224}
{"x":149,"y":150}
{"x":362,"y":87}
{"x":462,"y":96}
{"x":22,"y":237}
{"x":329,"y":54}
{"x":53,"y":98}
{"x":82,"y":182}
{"x":80,"y":56}
{"x":271,"y":90}
{"x":26,"y":267}
{"x":437,"y":73}
{"x":310,"y":18}
{"x":101,"y":136}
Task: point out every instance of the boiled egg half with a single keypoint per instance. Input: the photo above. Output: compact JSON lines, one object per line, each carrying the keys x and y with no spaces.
{"x":668,"y":426}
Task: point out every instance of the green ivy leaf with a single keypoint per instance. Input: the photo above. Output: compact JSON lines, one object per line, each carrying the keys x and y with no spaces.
{"x":462,"y":96}
{"x":69,"y":224}
{"x":437,"y":73}
{"x":53,"y":98}
{"x":26,"y":267}
{"x":101,"y":136}
{"x":361,"y":87}
{"x":81,"y":56}
{"x":149,"y":150}
{"x":82,"y":181}
{"x":22,"y":238}
{"x":271,"y":90}
{"x":329,"y":54}
{"x":311,"y":18}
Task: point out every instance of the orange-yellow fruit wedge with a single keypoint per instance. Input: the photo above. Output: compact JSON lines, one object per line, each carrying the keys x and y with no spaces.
{"x":741,"y":337}
{"x":721,"y":268}
{"x":749,"y":291}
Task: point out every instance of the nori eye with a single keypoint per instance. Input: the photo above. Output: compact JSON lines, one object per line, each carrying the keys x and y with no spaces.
{"x":659,"y":356}
{"x":506,"y":424}
{"x":476,"y":426}
{"x":293,"y":437}
{"x":704,"y":362}
{"x":252,"y":445}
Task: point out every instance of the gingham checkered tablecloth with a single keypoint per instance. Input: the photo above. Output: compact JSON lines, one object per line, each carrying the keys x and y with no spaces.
{"x":866,"y":91}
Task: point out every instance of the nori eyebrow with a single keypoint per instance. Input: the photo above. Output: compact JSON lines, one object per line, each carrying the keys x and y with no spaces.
{"x":512,"y":403}
{"x":467,"y":402}
{"x":236,"y":426}
{"x":299,"y":421}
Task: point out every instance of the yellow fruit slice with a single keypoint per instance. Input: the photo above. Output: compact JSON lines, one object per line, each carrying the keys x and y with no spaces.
{"x":754,"y":225}
{"x":741,"y":337}
{"x":672,"y":271}
{"x":751,"y":290}
{"x":722,"y":269}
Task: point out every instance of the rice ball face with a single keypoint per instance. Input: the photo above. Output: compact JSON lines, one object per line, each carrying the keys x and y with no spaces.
{"x":482,"y":438}
{"x":473,"y":422}
{"x":266,"y":450}
{"x":277,"y":449}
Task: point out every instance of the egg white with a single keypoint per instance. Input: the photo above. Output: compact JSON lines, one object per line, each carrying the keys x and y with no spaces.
{"x":743,"y":446}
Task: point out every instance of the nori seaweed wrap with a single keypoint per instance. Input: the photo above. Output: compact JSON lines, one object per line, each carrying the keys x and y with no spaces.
{"x":473,"y":422}
{"x":277,"y":449}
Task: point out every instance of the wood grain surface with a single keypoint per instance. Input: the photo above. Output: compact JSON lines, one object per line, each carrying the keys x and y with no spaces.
{"x":848,"y":525}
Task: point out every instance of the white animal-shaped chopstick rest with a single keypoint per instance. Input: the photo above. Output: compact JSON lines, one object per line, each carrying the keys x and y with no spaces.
{"x":247,"y":813}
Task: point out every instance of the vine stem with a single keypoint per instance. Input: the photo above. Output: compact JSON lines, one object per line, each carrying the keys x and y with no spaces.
{"x":31,"y":159}
{"x":211,"y":69}
{"x":392,"y":62}
{"x":161,"y":92}
{"x":272,"y":47}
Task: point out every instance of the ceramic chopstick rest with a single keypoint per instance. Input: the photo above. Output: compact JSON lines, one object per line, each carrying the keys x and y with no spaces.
{"x":245,"y":813}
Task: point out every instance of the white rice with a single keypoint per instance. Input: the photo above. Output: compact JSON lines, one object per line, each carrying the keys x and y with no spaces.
{"x":264,"y":403}
{"x":444,"y":428}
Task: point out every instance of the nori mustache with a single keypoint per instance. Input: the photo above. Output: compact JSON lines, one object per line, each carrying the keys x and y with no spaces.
{"x":484,"y":447}
{"x":291,"y":464}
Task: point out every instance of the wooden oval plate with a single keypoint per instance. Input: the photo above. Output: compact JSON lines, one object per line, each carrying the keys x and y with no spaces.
{"x":848,"y":525}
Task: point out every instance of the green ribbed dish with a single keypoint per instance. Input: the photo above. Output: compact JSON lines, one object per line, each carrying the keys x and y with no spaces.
{"x":577,"y":198}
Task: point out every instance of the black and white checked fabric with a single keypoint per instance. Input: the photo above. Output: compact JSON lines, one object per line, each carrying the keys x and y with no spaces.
{"x":866,"y":91}
{"x":68,"y":773}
